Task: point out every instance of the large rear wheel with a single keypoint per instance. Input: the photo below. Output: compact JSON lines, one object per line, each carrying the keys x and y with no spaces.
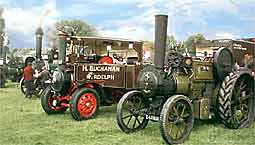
{"x":236,"y":100}
{"x":176,"y":119}
{"x":131,"y":115}
{"x":84,"y":104}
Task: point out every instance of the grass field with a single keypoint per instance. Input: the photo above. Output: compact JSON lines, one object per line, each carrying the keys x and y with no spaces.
{"x":22,"y":121}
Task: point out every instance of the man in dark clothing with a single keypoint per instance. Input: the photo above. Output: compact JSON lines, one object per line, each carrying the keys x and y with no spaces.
{"x":43,"y":76}
{"x":29,"y":79}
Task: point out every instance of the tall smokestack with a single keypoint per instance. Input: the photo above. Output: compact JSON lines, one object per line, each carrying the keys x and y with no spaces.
{"x":62,"y":47}
{"x":39,"y":35}
{"x":2,"y":27}
{"x":160,"y":40}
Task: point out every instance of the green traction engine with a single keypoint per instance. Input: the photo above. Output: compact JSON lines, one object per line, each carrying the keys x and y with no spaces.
{"x":184,"y":89}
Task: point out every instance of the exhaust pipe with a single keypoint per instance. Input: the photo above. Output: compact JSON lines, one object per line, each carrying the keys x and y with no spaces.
{"x":39,"y":35}
{"x":160,"y":40}
{"x":2,"y":27}
{"x":62,"y":47}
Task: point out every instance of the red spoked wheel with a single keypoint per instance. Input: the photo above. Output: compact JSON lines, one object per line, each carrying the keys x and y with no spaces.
{"x":84,"y":104}
{"x":106,"y":60}
{"x":87,"y":104}
{"x":53,"y":104}
{"x":50,"y":103}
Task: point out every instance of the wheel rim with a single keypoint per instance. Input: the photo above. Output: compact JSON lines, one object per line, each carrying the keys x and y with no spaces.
{"x":241,"y":101}
{"x":133,"y":113}
{"x":179,"y":120}
{"x":23,"y":87}
{"x":53,"y":102}
{"x":87,"y":105}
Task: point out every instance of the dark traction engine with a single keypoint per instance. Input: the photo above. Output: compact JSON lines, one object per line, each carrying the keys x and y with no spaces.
{"x":187,"y":89}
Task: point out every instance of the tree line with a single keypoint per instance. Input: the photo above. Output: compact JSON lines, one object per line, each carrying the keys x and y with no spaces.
{"x":81,"y":28}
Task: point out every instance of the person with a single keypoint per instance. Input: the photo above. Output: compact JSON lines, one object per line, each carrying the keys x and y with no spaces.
{"x":28,"y":79}
{"x":44,"y":75}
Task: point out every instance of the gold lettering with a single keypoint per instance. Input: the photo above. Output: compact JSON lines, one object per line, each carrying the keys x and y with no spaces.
{"x":101,"y":68}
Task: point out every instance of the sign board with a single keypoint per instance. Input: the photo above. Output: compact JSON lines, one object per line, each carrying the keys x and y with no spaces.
{"x":110,"y":75}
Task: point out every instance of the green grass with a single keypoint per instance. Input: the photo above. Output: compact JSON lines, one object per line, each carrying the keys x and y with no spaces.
{"x":22,"y":121}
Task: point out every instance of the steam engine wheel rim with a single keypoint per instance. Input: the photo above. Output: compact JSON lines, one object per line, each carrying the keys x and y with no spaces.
{"x":236,"y":95}
{"x":23,"y":86}
{"x":176,"y":119}
{"x":241,"y":102}
{"x":53,"y":103}
{"x":132,"y":119}
{"x":87,"y":105}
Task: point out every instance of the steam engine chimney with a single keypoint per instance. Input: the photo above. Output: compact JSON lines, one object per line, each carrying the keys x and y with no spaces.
{"x":39,"y":35}
{"x":160,"y":40}
{"x":2,"y":27}
{"x":62,"y":47}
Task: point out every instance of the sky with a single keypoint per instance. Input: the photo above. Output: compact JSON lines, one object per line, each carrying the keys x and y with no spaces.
{"x":131,"y":19}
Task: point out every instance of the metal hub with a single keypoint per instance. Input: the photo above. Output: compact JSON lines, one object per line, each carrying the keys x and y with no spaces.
{"x":88,"y":104}
{"x":54,"y":103}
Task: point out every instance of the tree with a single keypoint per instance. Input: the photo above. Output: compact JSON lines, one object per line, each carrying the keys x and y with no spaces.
{"x":76,"y":28}
{"x":190,"y":43}
{"x":73,"y":27}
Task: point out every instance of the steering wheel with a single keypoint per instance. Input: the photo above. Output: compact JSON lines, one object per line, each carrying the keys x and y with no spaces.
{"x":174,"y":59}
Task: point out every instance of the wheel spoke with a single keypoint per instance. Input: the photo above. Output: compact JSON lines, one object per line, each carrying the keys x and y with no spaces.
{"x":127,"y":116}
{"x":175,"y":111}
{"x":129,"y":120}
{"x":138,"y":121}
{"x":170,"y":129}
{"x":172,"y":132}
{"x":177,"y":132}
{"x":171,"y":119}
{"x":242,"y":85}
{"x":183,"y":110}
{"x":134,"y":124}
{"x":181,"y":130}
{"x":185,"y":116}
{"x":245,"y":98}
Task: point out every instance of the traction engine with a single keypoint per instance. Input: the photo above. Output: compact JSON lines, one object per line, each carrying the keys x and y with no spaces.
{"x":184,"y":89}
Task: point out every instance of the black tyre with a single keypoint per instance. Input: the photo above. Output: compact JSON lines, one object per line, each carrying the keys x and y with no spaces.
{"x":176,"y":119}
{"x":49,"y":102}
{"x":22,"y":85}
{"x":38,"y":89}
{"x":131,"y":109}
{"x":236,"y":100}
{"x":84,"y":104}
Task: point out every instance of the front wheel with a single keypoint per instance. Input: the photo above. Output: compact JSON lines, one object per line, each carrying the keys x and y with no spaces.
{"x":176,"y":119}
{"x":131,"y":112}
{"x":50,"y":103}
{"x":84,"y":104}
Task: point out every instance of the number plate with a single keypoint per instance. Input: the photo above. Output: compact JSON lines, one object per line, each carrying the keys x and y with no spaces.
{"x":152,"y":117}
